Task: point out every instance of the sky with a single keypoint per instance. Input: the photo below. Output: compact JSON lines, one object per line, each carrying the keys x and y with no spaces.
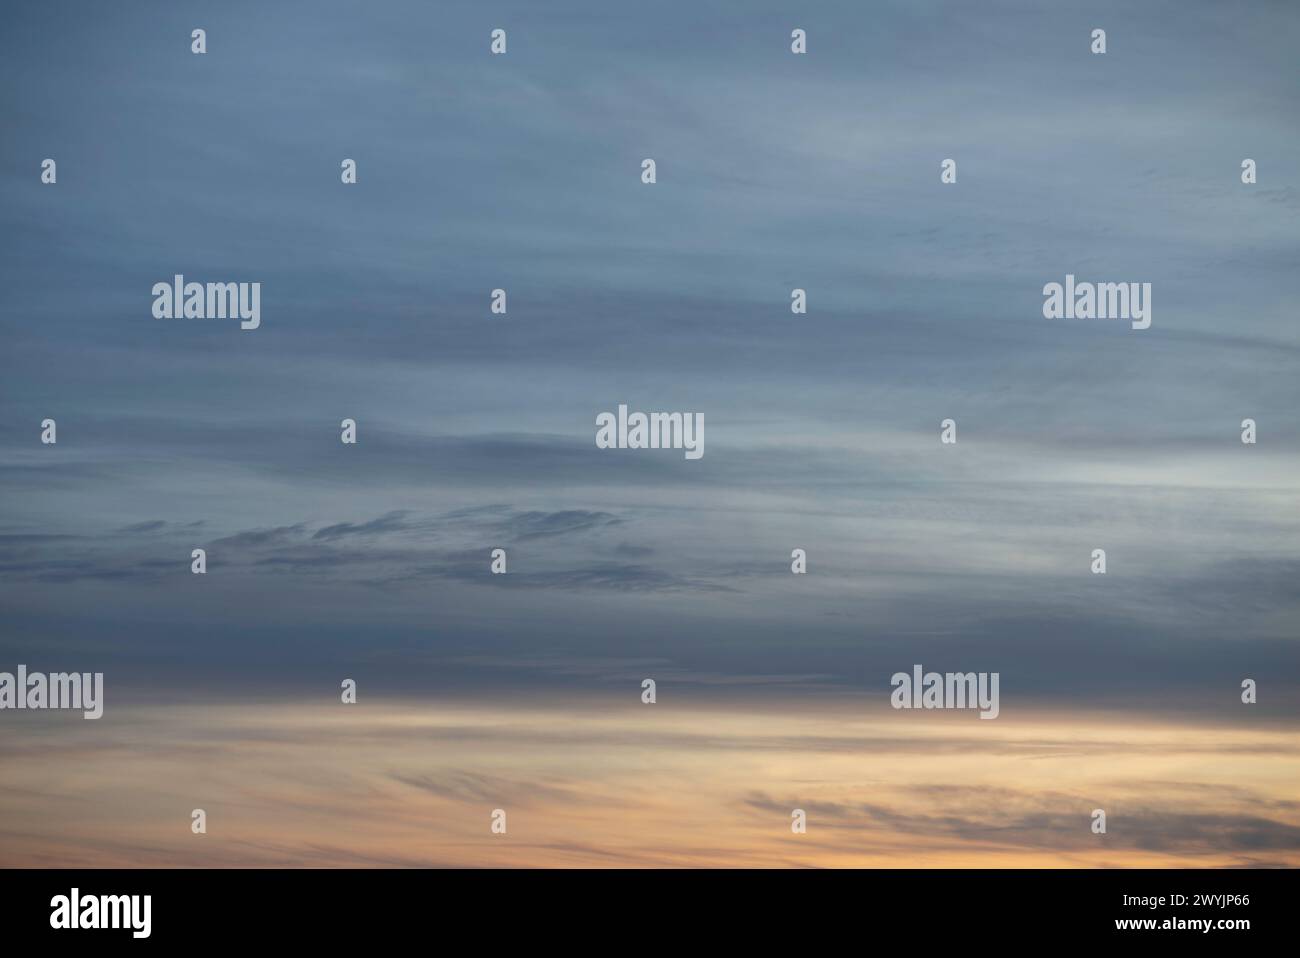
{"x":476,"y":431}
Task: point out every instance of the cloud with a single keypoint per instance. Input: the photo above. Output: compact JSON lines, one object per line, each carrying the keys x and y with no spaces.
{"x":490,"y":790}
{"x":261,"y":538}
{"x":477,"y":431}
{"x":152,"y":525}
{"x":539,"y":525}
{"x":390,"y":522}
{"x":1054,"y":821}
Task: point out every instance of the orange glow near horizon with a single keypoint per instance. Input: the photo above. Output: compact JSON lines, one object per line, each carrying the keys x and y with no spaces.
{"x":600,"y":784}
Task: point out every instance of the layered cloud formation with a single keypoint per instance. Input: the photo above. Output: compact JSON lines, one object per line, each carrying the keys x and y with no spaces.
{"x":476,"y":431}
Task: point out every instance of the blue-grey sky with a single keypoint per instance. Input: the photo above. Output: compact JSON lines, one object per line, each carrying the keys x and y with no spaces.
{"x":477,"y":431}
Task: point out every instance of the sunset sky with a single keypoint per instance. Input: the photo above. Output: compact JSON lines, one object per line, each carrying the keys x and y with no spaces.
{"x":608,"y":783}
{"x":371,"y":562}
